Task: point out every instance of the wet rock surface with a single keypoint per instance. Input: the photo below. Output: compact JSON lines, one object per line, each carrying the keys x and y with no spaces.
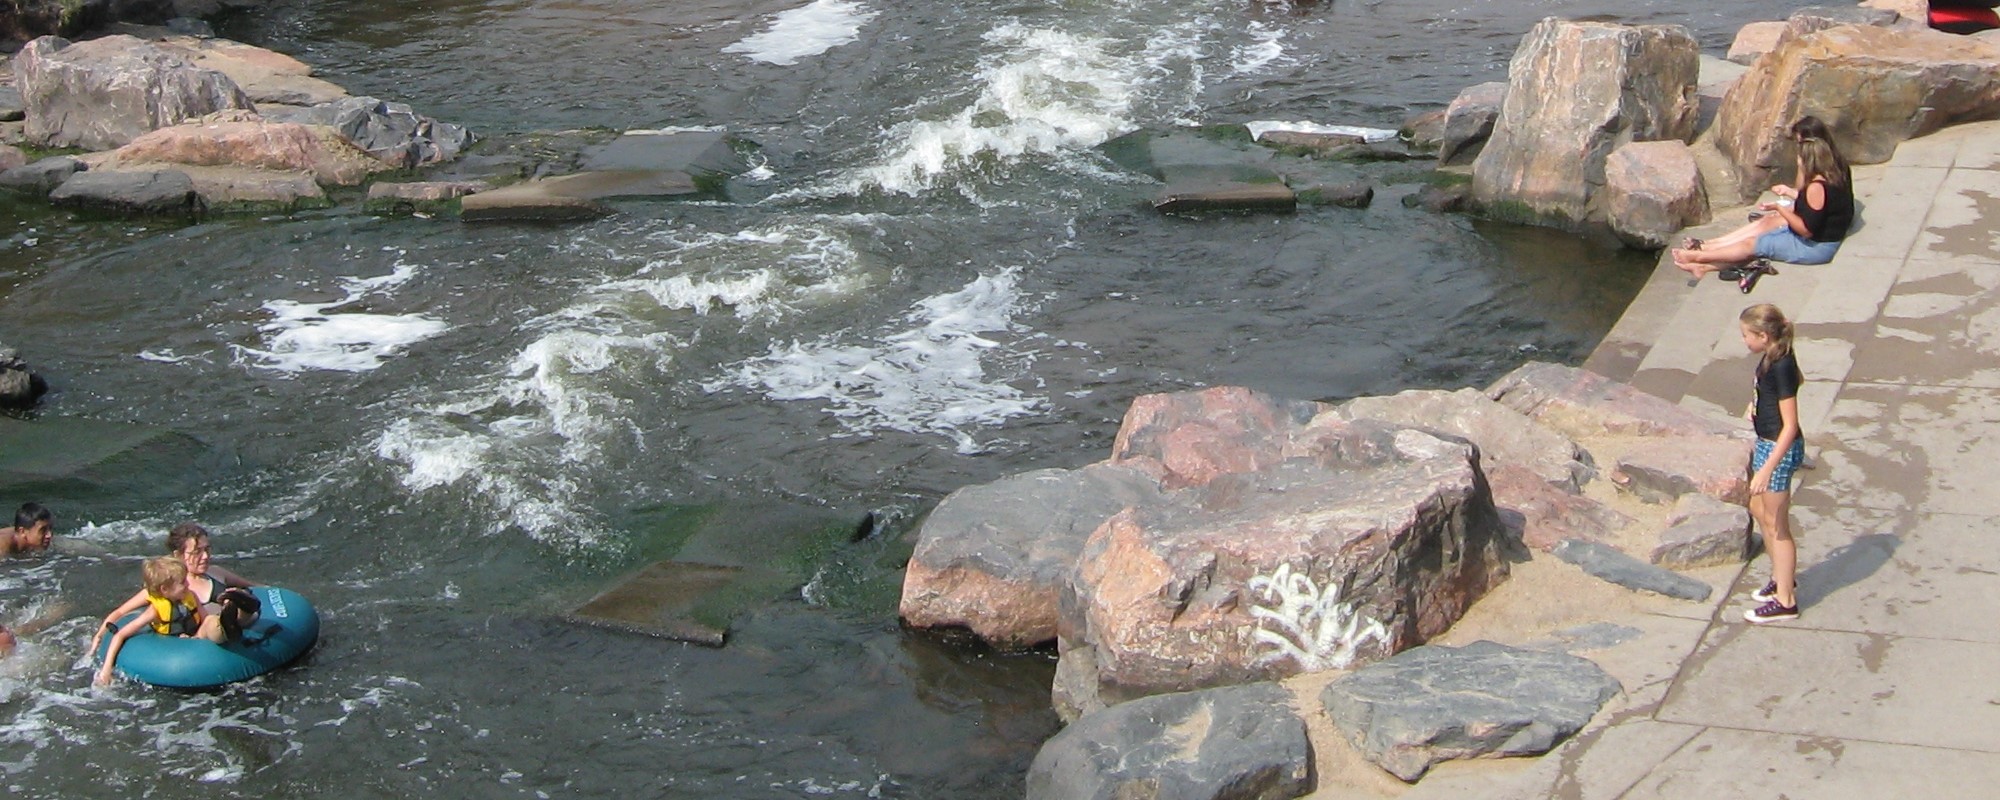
{"x":160,"y":192}
{"x":1234,"y":743}
{"x":1483,"y":700}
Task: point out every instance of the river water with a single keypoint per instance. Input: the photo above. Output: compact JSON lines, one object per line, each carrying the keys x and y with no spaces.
{"x":439,"y":431}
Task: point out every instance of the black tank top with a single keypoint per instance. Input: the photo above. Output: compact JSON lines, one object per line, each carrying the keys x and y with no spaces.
{"x":1827,"y":224}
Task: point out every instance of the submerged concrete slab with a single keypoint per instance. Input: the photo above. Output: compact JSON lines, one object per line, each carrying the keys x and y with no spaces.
{"x":715,"y":562}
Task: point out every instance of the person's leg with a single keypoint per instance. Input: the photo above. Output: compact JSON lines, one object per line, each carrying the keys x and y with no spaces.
{"x":211,"y":629}
{"x":1747,"y":233}
{"x":1713,"y":257}
{"x":1783,"y":549}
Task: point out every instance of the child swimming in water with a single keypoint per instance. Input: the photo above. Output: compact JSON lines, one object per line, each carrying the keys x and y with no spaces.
{"x":171,"y":610}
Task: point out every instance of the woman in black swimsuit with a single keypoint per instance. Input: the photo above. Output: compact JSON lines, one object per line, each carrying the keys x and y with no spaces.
{"x":189,"y":541}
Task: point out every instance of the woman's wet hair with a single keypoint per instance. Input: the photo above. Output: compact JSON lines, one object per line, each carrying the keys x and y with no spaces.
{"x":1817,"y":153}
{"x":177,"y":538}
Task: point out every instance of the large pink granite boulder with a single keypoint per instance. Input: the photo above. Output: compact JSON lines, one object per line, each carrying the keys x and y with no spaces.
{"x":1584,"y":404}
{"x":1651,"y":191}
{"x":105,"y":92}
{"x":1874,"y":86}
{"x":244,"y":140}
{"x":1503,"y":435}
{"x":1314,"y":564}
{"x":1189,"y":438}
{"x":1665,"y":469}
{"x":992,"y":558}
{"x":1546,"y":515}
{"x":1575,"y":92}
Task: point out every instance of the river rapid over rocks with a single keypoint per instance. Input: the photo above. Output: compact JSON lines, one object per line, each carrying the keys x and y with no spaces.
{"x":446,"y":435}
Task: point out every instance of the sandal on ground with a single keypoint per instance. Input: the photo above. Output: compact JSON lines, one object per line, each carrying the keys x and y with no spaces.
{"x":1690,"y":243}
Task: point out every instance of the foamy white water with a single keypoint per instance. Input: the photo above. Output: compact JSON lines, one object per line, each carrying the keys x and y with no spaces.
{"x":309,"y":336}
{"x":1264,"y":50}
{"x":1042,"y":91}
{"x":928,"y":379}
{"x":805,"y":32}
{"x":515,"y":443}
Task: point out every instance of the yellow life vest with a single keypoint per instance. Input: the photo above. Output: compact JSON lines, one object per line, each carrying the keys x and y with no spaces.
{"x":174,"y":617}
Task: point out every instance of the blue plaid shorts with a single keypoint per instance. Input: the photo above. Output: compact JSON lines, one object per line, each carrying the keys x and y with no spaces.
{"x":1781,"y":475}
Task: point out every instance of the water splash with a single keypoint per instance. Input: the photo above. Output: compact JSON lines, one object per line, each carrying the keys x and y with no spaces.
{"x":312,"y":336}
{"x":806,"y":31}
{"x":927,"y":379}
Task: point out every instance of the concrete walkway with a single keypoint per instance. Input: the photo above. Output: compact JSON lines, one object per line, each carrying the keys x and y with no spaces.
{"x":1888,"y":685}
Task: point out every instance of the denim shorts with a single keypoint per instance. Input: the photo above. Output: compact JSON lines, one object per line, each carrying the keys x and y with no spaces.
{"x":1791,"y":248}
{"x":1781,"y":475}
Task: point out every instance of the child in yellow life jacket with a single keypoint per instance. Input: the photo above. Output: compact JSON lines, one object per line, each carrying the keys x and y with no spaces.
{"x":170,"y":610}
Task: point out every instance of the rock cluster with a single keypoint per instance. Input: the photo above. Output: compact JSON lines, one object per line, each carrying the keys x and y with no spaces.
{"x":1618,"y":143}
{"x":1233,"y":538}
{"x":184,"y":125}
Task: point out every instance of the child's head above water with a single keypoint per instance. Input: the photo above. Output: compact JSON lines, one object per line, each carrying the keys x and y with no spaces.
{"x":165,"y":576}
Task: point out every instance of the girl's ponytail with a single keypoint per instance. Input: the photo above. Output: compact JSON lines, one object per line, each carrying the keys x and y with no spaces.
{"x":1768,"y":320}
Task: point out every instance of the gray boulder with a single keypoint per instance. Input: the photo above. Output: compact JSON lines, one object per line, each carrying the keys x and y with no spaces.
{"x":41,"y":177}
{"x":1667,"y":468}
{"x":1545,"y":160}
{"x":1651,"y":191}
{"x":19,"y":386}
{"x":132,"y":193}
{"x":1483,"y":700}
{"x":1703,"y":532}
{"x":1608,"y":564}
{"x":11,"y":157}
{"x":992,"y":558}
{"x":1504,"y":436}
{"x":1468,"y":121}
{"x":102,"y":93}
{"x":1546,"y":515}
{"x":1234,"y":743}
{"x":388,"y":131}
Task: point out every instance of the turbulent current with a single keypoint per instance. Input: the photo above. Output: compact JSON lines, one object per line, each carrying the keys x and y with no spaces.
{"x":443,"y":433}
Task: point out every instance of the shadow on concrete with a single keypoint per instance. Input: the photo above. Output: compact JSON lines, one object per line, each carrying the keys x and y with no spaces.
{"x":1847,"y":565}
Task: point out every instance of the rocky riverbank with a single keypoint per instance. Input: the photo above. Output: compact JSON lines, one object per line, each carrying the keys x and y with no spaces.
{"x":1252,"y":569}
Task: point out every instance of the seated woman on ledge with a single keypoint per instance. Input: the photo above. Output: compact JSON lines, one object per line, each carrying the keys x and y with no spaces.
{"x":1804,"y":228}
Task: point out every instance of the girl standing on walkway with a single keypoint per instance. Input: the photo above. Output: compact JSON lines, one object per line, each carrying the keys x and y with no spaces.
{"x":1774,"y":414}
{"x":1805,"y":226}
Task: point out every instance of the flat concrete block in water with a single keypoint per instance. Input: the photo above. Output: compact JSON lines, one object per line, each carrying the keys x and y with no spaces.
{"x":58,"y":458}
{"x":723,"y":560}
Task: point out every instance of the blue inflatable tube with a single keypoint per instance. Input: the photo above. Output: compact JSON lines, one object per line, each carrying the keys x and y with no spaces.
{"x":287,"y":627}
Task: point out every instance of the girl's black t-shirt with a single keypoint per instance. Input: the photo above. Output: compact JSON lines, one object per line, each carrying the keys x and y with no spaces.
{"x":1776,"y":381}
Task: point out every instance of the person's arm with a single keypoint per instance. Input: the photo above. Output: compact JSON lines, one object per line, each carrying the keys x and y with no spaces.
{"x":1788,"y":412}
{"x":130,"y":605}
{"x":228,"y":578}
{"x":118,"y":643}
